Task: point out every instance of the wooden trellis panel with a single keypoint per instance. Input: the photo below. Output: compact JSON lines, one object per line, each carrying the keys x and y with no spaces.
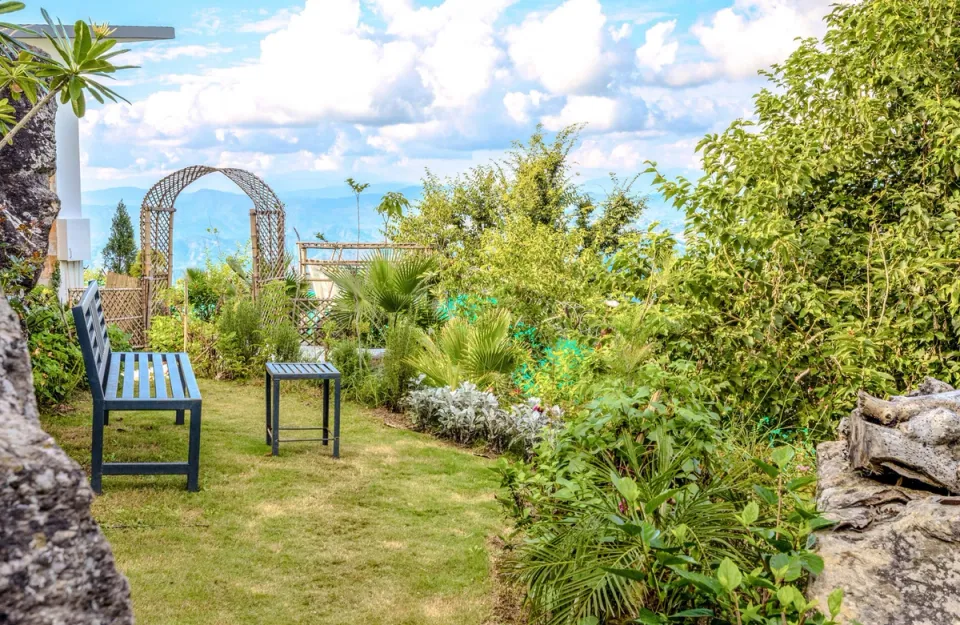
{"x":308,"y":315}
{"x":122,"y":307}
{"x":156,"y":232}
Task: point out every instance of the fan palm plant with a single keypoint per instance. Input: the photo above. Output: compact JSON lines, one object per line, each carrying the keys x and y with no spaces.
{"x":481,"y":352}
{"x":390,"y":286}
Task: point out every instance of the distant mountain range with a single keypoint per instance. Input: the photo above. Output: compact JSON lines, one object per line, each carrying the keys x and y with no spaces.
{"x":216,"y":223}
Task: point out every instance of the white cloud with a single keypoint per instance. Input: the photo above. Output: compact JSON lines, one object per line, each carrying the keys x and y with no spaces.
{"x":564,"y":49}
{"x":751,"y":35}
{"x":170,"y":53}
{"x":268,"y":25}
{"x":657,"y":51}
{"x":519,"y":104}
{"x":390,"y":138}
{"x":618,"y":34}
{"x":599,"y":113}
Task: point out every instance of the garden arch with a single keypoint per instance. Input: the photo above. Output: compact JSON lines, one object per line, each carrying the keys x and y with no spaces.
{"x":156,"y":229}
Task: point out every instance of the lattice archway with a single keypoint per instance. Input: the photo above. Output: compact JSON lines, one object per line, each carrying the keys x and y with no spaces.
{"x":156,"y":228}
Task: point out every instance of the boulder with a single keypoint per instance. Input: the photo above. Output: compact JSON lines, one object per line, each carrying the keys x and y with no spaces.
{"x":28,"y":204}
{"x":895,"y":547}
{"x":56,"y":567}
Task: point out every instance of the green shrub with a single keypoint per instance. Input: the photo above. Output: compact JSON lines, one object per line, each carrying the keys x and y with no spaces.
{"x":397,"y":372}
{"x":640,"y":510}
{"x":166,"y":335}
{"x":481,"y":352}
{"x":119,"y":339}
{"x":54,"y":351}
{"x":283,"y":343}
{"x":240,"y":341}
{"x":347,"y":360}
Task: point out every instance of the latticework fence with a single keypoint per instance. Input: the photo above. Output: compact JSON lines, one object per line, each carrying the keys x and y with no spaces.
{"x":308,"y":315}
{"x":309,"y":312}
{"x":122,"y":307}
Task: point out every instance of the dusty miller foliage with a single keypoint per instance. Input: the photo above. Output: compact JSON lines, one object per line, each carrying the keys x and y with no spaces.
{"x":468,"y":415}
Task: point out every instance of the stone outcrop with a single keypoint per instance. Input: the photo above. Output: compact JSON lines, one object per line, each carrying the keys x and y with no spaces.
{"x":56,"y":567}
{"x":895,"y":548}
{"x":28,"y":206}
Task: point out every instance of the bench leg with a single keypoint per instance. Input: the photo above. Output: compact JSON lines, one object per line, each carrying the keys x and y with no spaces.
{"x":266,"y":394}
{"x":336,"y":418}
{"x":326,"y":412}
{"x":106,"y":417}
{"x":276,"y":418}
{"x":96,"y":448}
{"x":180,"y":417}
{"x":193,"y":459}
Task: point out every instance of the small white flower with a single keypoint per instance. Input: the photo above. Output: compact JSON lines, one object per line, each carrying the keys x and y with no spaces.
{"x":612,"y":303}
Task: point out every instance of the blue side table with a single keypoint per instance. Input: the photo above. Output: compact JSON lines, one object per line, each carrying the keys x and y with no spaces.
{"x":277,"y":371}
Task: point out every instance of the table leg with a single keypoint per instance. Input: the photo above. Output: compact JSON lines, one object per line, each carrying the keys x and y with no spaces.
{"x":276,"y":417}
{"x":336,"y":418}
{"x":266,"y":395}
{"x":193,"y":457}
{"x":326,"y":412}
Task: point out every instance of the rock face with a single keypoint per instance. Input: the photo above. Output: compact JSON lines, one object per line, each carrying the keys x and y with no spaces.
{"x":895,"y":549}
{"x":28,"y":207}
{"x":56,"y":567}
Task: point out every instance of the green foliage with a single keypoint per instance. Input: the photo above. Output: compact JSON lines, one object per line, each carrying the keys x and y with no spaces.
{"x":282,"y":343}
{"x":240,"y":339}
{"x":541,"y":242}
{"x":391,"y":207}
{"x":353,"y":365}
{"x":119,"y":339}
{"x":72,"y":72}
{"x":54,"y":351}
{"x":121,"y":250}
{"x":389,"y":287}
{"x":641,"y":509}
{"x":397,"y":370}
{"x":166,"y":335}
{"x":481,"y":352}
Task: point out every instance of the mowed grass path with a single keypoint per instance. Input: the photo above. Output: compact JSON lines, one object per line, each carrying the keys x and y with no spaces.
{"x":394,"y":532}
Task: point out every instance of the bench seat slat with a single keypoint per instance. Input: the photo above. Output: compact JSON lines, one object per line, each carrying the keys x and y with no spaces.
{"x":186,"y":373}
{"x":128,"y":373}
{"x":160,"y":380}
{"x":144,"y":377}
{"x":113,"y":376}
{"x":174,"y":371}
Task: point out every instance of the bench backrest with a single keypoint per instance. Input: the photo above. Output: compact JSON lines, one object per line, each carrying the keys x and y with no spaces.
{"x":94,"y":342}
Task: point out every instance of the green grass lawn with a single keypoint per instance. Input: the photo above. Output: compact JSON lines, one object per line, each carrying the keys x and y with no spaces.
{"x":394,"y":532}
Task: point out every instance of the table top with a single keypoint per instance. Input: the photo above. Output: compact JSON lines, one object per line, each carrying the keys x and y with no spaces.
{"x":302,"y":370}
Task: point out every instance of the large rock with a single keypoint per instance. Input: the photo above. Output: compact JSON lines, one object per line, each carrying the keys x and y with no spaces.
{"x":28,"y":206}
{"x":895,"y":548}
{"x":56,"y":567}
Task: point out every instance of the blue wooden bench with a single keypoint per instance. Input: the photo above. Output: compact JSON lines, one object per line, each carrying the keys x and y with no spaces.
{"x":121,"y":381}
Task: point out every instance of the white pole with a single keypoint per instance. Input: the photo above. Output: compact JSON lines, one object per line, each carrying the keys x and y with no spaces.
{"x":73,"y":231}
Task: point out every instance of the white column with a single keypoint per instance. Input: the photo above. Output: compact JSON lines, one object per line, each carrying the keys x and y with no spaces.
{"x":73,"y":231}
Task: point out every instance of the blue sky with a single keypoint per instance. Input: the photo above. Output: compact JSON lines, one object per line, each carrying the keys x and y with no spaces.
{"x":308,"y":92}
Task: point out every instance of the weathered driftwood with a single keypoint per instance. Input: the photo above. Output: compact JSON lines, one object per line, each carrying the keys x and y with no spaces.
{"x":882,"y":450}
{"x":895,"y":548}
{"x":904,"y":408}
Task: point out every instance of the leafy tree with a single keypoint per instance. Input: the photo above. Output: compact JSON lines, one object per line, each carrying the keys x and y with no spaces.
{"x":821,"y":243}
{"x":120,"y":253}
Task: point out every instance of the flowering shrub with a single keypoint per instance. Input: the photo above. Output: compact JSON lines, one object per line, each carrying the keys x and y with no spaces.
{"x":468,"y":415}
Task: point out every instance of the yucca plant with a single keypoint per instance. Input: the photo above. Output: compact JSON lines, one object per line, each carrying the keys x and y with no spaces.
{"x":481,"y":352}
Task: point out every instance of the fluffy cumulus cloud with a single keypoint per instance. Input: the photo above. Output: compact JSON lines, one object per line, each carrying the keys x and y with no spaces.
{"x":657,"y":50}
{"x":750,"y":35}
{"x":391,"y":86}
{"x":564,"y":50}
